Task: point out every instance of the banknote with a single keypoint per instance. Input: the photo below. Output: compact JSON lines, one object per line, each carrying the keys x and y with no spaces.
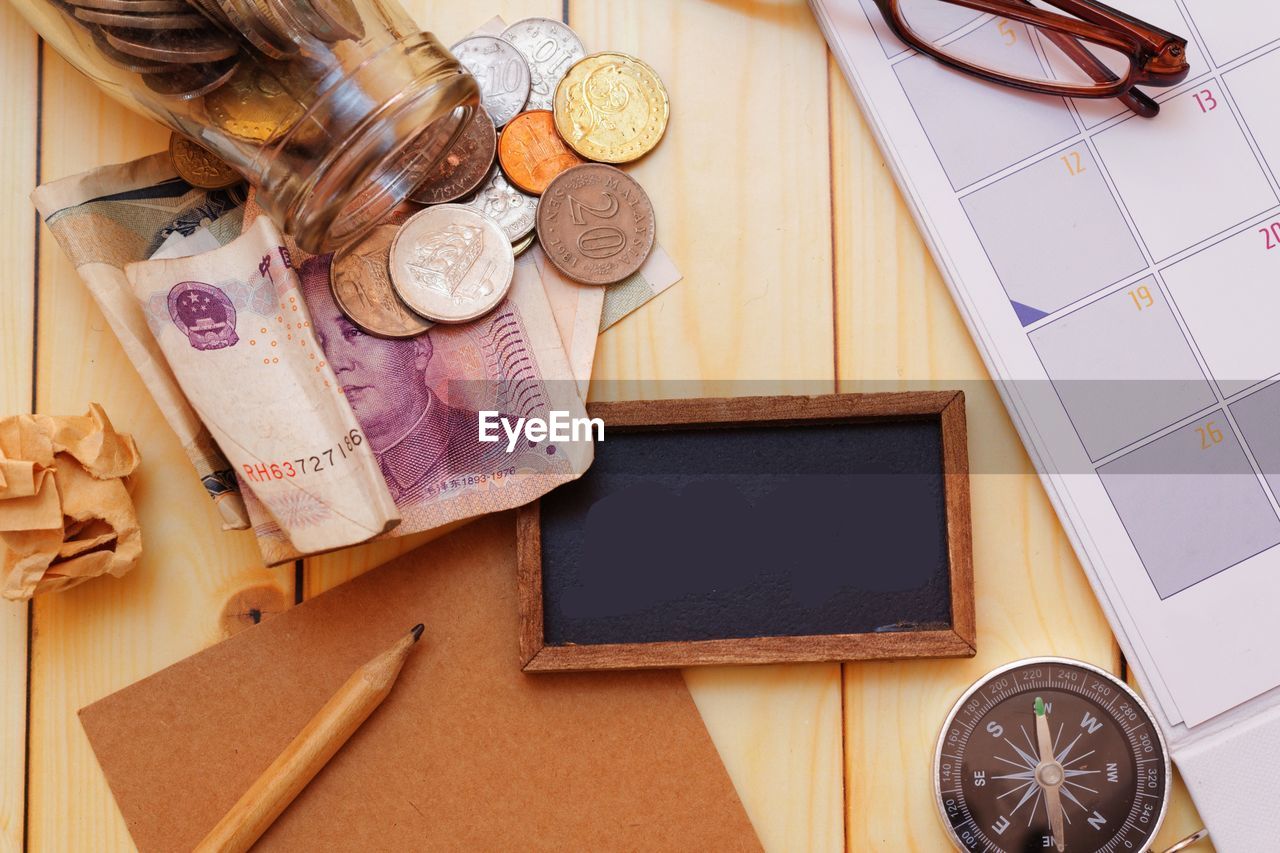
{"x":112,"y":216}
{"x":656,"y":275}
{"x":577,"y":309}
{"x":418,"y":401}
{"x":234,"y":327}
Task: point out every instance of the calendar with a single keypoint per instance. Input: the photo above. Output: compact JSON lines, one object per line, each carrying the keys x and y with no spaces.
{"x":1121,"y":276}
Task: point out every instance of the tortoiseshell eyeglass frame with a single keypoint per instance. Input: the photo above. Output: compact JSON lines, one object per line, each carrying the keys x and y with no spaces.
{"x":1156,"y":57}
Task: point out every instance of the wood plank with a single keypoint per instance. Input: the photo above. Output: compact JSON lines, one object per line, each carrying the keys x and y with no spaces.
{"x":18,"y":139}
{"x":745,"y":152}
{"x":195,"y":584}
{"x":896,"y":322}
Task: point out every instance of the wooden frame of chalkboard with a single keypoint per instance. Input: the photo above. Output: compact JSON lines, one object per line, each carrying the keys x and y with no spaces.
{"x":956,"y":639}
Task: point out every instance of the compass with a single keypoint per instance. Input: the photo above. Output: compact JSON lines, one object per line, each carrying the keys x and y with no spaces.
{"x":1051,"y":754}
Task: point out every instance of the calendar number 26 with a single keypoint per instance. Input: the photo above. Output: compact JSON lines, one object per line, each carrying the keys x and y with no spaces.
{"x":1209,"y":434}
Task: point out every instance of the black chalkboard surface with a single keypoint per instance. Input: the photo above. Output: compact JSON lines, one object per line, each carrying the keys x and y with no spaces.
{"x":755,"y":530}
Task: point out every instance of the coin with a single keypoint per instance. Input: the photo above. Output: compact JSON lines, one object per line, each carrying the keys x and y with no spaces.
{"x":199,"y":166}
{"x":333,"y":20}
{"x":191,"y":81}
{"x":360,"y":279}
{"x":514,"y":211}
{"x":256,"y":103}
{"x":134,"y":5}
{"x":459,"y":172}
{"x":501,"y":71}
{"x":611,"y":108}
{"x":550,"y":48}
{"x":127,"y":62}
{"x":596,"y":224}
{"x":532,"y":153}
{"x":143,"y":20}
{"x":451,"y":264}
{"x":257,"y":22}
{"x":523,"y":245}
{"x":178,"y":46}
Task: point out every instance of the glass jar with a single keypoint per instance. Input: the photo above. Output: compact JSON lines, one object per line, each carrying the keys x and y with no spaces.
{"x":334,"y":109}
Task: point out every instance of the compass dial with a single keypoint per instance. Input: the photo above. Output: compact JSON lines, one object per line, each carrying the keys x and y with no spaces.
{"x":1087,"y":758}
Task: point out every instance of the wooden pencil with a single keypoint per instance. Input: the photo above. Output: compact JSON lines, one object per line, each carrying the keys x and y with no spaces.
{"x":307,"y":753}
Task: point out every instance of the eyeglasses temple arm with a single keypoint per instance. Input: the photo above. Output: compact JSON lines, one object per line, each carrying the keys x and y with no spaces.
{"x":1134,"y":99}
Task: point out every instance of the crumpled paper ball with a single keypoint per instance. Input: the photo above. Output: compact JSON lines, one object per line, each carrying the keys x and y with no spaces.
{"x":65,"y":511}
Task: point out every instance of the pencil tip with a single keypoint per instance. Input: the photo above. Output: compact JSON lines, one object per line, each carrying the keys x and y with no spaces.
{"x":417,"y":631}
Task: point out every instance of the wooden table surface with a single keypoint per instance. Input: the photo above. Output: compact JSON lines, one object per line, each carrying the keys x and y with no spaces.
{"x":800,"y":262}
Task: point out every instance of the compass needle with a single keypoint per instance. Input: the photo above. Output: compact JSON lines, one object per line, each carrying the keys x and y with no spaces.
{"x":1049,"y":774}
{"x":1059,"y":732}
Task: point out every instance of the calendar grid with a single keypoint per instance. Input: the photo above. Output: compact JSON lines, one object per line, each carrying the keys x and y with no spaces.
{"x":1081,"y":211}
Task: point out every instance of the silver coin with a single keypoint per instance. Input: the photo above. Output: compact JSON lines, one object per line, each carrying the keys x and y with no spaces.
{"x":550,"y":48}
{"x":501,"y":71}
{"x":451,"y":264}
{"x":515,"y":212}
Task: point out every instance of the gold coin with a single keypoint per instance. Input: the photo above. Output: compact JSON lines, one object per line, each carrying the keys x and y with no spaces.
{"x":200,"y":167}
{"x":257,"y":102}
{"x":611,"y":107}
{"x":522,"y":244}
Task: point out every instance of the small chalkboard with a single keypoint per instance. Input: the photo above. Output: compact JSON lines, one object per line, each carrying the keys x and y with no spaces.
{"x":755,"y":530}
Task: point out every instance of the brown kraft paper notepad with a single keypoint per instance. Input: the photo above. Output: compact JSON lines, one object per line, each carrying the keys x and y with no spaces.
{"x":466,"y":753}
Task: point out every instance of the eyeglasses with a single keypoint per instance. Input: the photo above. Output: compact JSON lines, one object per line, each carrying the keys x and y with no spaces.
{"x":1092,"y":51}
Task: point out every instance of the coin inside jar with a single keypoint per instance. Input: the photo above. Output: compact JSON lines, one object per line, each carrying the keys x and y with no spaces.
{"x":143,"y":20}
{"x":360,"y":279}
{"x":596,"y":224}
{"x":611,"y":108}
{"x":257,"y":101}
{"x":532,"y":153}
{"x":463,"y":169}
{"x":200,"y":167}
{"x":191,"y":81}
{"x":178,"y":46}
{"x":451,"y":264}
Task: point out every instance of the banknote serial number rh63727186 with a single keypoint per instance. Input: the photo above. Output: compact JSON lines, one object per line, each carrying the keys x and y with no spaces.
{"x":264,"y":472}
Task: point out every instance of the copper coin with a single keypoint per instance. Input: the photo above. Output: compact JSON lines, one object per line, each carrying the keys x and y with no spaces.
{"x":191,"y":81}
{"x":339,"y":18}
{"x":200,"y":167}
{"x":143,"y":20}
{"x":180,"y":46}
{"x":360,"y":279}
{"x":532,"y":153}
{"x":465,"y":166}
{"x":126,"y":61}
{"x":134,"y":5}
{"x":596,"y":224}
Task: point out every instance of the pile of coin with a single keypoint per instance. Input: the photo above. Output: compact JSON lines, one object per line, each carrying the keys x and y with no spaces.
{"x":533,"y":162}
{"x":187,"y":49}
